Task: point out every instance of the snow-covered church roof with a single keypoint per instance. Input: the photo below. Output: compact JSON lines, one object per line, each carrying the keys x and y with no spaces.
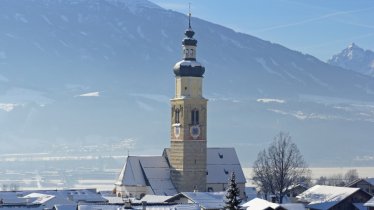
{"x":154,"y":171}
{"x":150,"y":171}
{"x":220,"y":163}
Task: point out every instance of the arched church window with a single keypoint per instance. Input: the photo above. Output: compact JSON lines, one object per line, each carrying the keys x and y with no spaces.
{"x":191,"y":52}
{"x":176,"y":117}
{"x":195,"y":117}
{"x":186,"y":52}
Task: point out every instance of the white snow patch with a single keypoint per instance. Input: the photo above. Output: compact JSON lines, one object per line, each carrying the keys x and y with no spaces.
{"x":297,"y":67}
{"x":91,"y":94}
{"x":271,"y":100}
{"x":7,"y":107}
{"x":266,"y":67}
{"x":324,"y":196}
{"x":234,"y":42}
{"x":258,"y":203}
{"x":316,"y":80}
{"x":294,"y":78}
{"x":274,"y":62}
{"x":135,"y":6}
{"x":187,"y":63}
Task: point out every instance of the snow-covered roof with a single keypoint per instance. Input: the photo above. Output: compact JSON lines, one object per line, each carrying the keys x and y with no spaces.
{"x":370,"y":180}
{"x":155,"y":198}
{"x":359,"y":206}
{"x":10,"y":198}
{"x":150,"y":171}
{"x":220,"y":163}
{"x":293,"y":206}
{"x":370,"y":203}
{"x":207,"y":200}
{"x":85,"y":196}
{"x":65,"y":207}
{"x":325,"y":197}
{"x":154,"y":171}
{"x":38,"y":198}
{"x":139,"y":207}
{"x":49,"y":198}
{"x":260,"y":204}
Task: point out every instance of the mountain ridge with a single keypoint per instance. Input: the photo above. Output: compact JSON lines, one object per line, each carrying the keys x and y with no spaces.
{"x":355,"y":58}
{"x":92,"y":71}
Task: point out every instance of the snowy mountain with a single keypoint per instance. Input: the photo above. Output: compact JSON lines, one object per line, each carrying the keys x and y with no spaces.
{"x":356,"y":59}
{"x":84,"y":72}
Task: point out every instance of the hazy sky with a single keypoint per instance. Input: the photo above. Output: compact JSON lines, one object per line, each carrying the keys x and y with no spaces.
{"x":317,"y":27}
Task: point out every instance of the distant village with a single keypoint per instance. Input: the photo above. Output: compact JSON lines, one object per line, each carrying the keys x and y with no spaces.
{"x":191,"y":175}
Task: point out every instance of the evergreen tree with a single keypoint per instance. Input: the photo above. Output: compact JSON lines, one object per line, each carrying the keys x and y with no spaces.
{"x":232,"y":200}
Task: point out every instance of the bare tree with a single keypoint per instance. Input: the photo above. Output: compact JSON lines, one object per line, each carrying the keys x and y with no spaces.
{"x":321,"y":180}
{"x":350,"y":176}
{"x":279,"y":167}
{"x":335,"y":180}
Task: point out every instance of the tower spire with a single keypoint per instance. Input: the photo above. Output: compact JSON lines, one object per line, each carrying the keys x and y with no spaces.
{"x":189,"y":15}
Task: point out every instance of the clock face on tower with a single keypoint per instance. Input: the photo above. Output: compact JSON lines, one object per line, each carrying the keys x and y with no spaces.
{"x":195,"y":131}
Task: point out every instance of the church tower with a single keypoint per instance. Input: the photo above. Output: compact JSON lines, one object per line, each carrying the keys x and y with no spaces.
{"x":188,"y":151}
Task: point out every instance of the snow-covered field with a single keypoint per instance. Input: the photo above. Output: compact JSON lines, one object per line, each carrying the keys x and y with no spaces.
{"x":328,"y":171}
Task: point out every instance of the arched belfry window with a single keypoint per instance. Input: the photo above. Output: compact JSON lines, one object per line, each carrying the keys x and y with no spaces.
{"x":176,"y":116}
{"x":195,"y":117}
{"x":186,"y":52}
{"x":191,"y":53}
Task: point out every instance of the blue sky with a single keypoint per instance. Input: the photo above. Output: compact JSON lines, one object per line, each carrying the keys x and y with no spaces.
{"x":317,"y":27}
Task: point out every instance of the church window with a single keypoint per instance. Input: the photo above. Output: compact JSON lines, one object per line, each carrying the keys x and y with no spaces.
{"x":176,"y":118}
{"x":195,"y":117}
{"x":186,"y":52}
{"x":191,"y":52}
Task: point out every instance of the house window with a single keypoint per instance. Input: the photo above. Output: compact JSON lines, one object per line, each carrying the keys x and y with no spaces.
{"x":195,"y":117}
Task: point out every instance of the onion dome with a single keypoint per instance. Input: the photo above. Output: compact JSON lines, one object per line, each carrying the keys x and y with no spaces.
{"x":189,"y":67}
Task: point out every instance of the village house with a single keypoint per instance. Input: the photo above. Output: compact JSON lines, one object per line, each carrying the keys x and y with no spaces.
{"x":370,"y":204}
{"x":366,"y":184}
{"x":322,"y":197}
